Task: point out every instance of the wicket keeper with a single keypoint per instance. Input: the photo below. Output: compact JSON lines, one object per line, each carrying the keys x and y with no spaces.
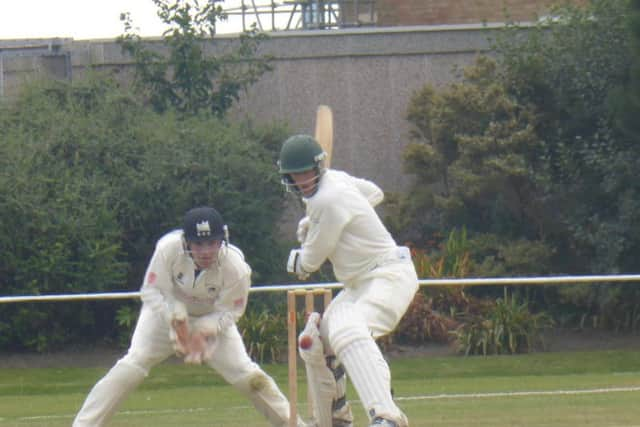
{"x":194,"y":291}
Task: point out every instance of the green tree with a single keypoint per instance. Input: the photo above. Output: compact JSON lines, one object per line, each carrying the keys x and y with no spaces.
{"x":530,"y":148}
{"x":552,"y":159}
{"x":471,"y":146}
{"x":189,"y":78}
{"x":568,"y":68}
{"x":627,"y":99}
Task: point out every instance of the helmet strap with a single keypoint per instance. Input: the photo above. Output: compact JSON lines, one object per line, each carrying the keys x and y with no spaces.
{"x":292,"y":187}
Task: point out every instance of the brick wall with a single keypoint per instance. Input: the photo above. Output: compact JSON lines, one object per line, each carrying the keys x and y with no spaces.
{"x":439,"y":12}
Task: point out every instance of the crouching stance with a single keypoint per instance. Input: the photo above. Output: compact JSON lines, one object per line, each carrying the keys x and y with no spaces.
{"x":195,"y":289}
{"x":342,"y":226}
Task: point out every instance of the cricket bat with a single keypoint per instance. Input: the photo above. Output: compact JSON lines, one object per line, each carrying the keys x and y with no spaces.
{"x":324,"y":131}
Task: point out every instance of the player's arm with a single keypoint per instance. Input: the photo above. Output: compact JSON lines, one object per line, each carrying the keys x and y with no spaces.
{"x":228,"y":308}
{"x":157,"y":293}
{"x":371,"y":191}
{"x":157,"y":289}
{"x":324,"y":233}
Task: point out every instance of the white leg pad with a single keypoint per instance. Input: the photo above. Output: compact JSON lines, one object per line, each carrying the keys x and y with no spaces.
{"x":320,"y":379}
{"x":370,"y":376}
{"x":266,"y":397}
{"x":342,"y":414}
{"x":363,"y":360}
{"x":108,"y":393}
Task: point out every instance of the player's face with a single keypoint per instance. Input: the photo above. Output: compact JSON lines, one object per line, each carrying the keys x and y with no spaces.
{"x":205,"y":253}
{"x":306,"y":181}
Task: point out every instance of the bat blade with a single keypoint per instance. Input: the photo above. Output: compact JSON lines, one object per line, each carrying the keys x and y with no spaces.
{"x":324,"y":131}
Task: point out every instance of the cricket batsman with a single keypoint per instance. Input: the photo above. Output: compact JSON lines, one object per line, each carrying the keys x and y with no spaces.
{"x":195,"y":289}
{"x":379,"y":280}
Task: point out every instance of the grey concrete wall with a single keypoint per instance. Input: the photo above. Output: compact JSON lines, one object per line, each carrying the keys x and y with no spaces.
{"x":368,"y":78}
{"x":366,"y":75}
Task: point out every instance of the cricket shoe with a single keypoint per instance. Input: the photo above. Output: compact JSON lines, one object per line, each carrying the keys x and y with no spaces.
{"x":384,"y":420}
{"x":381,"y":422}
{"x":342,"y":416}
{"x":334,"y":423}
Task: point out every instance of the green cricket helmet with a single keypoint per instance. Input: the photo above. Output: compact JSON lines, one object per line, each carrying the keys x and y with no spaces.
{"x":301,"y":153}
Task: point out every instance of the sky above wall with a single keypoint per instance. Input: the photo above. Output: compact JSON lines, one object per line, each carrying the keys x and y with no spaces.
{"x":94,"y":19}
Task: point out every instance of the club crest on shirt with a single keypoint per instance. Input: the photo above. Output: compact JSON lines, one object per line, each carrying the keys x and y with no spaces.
{"x":211,"y":291}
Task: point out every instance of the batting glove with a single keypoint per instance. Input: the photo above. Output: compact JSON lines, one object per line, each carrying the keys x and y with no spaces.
{"x":294,"y":265}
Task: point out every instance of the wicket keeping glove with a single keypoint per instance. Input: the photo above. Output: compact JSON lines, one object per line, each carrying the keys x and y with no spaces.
{"x":294,"y":264}
{"x":200,"y":349}
{"x":180,"y":336}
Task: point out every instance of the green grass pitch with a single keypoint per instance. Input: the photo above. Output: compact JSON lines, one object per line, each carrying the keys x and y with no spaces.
{"x":596,"y":388}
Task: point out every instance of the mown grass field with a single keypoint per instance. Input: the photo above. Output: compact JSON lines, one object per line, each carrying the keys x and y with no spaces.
{"x":595,"y":388}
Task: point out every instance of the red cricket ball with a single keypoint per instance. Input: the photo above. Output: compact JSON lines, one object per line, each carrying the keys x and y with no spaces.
{"x":305,"y":342}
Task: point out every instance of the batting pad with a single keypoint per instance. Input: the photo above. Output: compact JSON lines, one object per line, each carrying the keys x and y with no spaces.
{"x":362,"y":359}
{"x":320,"y":379}
{"x":371,"y":377}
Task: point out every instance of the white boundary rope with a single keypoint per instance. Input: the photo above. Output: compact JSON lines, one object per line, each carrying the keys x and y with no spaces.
{"x":504,"y":281}
{"x":520,"y":393}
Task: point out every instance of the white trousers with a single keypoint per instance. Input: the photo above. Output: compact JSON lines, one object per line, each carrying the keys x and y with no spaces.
{"x":151,"y":345}
{"x":380,"y":296}
{"x":370,"y":307}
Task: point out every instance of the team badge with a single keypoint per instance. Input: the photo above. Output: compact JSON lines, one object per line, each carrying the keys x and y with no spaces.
{"x":203,"y":229}
{"x":151,"y":278}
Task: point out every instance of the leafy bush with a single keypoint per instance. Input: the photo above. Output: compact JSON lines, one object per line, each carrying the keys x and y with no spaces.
{"x":91,"y":179}
{"x":470,"y":146}
{"x":580,"y":72}
{"x":477,"y":325}
{"x":265,"y":334}
{"x":572,"y":70}
{"x":506,"y":327}
{"x":611,"y":306}
{"x":432,"y":313}
{"x":422,"y":323}
{"x":126,"y":319}
{"x":535,"y":152}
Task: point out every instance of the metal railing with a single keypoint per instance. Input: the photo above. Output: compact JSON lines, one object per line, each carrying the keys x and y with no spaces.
{"x":504,"y":281}
{"x":271,"y":15}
